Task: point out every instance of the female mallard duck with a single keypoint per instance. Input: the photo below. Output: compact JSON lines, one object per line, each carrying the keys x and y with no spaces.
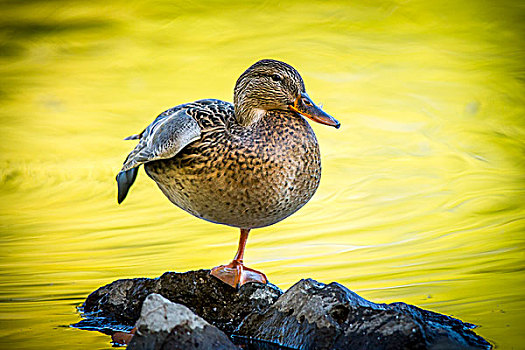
{"x":247,"y":165}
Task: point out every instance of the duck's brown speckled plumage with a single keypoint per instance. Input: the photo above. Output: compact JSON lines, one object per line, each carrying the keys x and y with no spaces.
{"x":249,"y":165}
{"x":245,"y":177}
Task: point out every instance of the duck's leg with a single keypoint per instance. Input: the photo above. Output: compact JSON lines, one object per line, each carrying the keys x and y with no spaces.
{"x":235,"y":273}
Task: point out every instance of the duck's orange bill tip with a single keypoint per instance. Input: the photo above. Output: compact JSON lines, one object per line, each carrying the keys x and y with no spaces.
{"x":305,"y":106}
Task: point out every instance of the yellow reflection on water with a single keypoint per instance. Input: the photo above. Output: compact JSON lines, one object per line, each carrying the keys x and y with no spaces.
{"x":422,"y":192}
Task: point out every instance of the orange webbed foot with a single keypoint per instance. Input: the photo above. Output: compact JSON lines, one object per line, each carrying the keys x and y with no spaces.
{"x":236,"y":274}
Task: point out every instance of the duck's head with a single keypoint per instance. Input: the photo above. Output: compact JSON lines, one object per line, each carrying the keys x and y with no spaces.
{"x":269,"y":85}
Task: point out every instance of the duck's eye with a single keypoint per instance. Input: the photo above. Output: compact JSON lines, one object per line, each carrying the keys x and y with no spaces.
{"x":277,"y":77}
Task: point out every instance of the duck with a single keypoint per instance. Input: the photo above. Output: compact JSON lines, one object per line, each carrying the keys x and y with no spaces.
{"x":248,"y":165}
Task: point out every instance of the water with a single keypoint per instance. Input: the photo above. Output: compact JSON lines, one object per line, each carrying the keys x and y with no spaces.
{"x":422,"y":193}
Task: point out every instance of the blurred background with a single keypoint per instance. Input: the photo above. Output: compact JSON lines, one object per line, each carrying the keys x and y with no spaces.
{"x":422,"y":195}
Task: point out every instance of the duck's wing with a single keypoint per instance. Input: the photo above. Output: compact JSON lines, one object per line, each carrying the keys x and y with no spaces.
{"x":164,"y":138}
{"x":169,"y":133}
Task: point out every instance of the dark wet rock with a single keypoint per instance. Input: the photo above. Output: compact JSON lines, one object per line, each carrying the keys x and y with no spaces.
{"x":165,"y":325}
{"x":218,"y":303}
{"x":310,"y":315}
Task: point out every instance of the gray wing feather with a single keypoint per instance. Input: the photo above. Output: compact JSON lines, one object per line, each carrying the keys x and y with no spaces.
{"x":164,"y":138}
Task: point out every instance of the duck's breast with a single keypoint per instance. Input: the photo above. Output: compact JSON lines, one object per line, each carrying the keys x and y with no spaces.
{"x":244,"y":176}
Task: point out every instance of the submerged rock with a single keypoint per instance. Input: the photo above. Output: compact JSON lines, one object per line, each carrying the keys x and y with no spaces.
{"x":310,"y":315}
{"x":218,"y":303}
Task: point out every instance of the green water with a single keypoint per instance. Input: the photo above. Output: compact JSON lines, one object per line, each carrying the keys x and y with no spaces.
{"x":422,"y":195}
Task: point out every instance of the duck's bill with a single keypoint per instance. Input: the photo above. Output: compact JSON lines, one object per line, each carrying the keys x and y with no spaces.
{"x":305,"y":106}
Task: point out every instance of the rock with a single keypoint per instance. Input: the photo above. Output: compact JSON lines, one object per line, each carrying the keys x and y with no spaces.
{"x":166,"y":325}
{"x":218,"y":303}
{"x":312,"y":315}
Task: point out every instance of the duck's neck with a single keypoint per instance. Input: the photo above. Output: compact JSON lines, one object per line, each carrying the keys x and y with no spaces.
{"x":249,"y":116}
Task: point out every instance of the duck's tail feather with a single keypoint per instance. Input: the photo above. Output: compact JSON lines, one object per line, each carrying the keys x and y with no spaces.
{"x":124,"y":181}
{"x":133,"y":137}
